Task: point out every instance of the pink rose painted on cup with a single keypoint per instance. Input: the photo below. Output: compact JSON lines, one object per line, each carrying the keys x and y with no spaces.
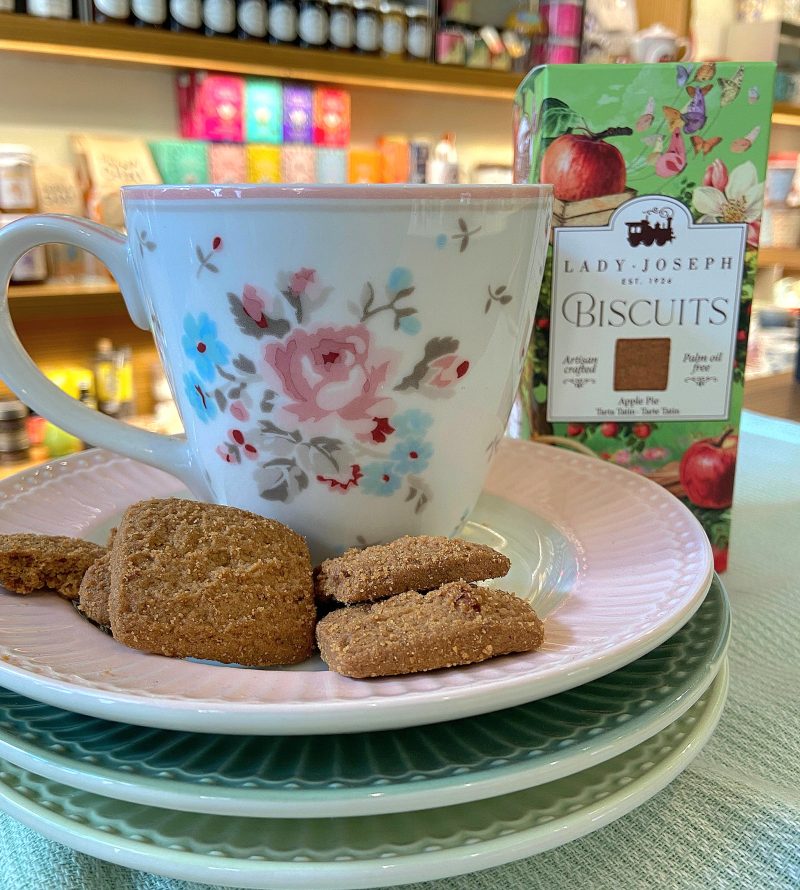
{"x":333,"y":372}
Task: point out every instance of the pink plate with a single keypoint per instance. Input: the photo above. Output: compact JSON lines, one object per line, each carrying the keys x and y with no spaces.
{"x":612,"y":562}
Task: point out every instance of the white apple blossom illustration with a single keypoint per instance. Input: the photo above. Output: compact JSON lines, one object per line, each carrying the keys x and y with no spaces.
{"x":735,"y":197}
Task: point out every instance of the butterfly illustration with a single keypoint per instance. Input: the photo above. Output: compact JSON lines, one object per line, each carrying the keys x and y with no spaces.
{"x":706,"y":71}
{"x":695,"y":116}
{"x":682,"y":75}
{"x":673,"y":117}
{"x":646,"y":118}
{"x":674,"y":158}
{"x":656,"y":143}
{"x":704,"y":145}
{"x":753,"y":95}
{"x":740,"y":145}
{"x":731,"y":86}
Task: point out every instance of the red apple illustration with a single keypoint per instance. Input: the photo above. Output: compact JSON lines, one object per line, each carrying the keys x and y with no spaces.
{"x":583,"y":165}
{"x":706,"y":471}
{"x":609,"y":430}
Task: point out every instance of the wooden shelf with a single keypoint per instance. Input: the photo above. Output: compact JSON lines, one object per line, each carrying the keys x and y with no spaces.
{"x":163,"y":49}
{"x":786,"y":114}
{"x":58,"y":290}
{"x":787,"y":257}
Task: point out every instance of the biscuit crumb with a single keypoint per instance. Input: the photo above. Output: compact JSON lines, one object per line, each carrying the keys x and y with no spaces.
{"x":31,"y":562}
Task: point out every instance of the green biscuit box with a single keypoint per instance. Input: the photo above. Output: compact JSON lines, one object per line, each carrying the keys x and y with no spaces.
{"x":640,"y":337}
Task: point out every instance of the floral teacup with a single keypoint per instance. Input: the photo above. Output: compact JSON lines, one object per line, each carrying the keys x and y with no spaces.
{"x":344,"y":358}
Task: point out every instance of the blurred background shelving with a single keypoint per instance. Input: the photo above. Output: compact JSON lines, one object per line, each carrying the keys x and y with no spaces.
{"x":66,"y":77}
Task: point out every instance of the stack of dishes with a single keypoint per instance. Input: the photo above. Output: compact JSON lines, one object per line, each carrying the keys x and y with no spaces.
{"x":303,"y":778}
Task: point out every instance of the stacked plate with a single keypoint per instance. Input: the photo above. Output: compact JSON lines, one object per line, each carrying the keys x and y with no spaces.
{"x":246,"y":777}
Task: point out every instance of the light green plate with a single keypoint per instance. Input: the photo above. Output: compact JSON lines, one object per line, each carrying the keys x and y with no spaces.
{"x":357,"y":852}
{"x":379,"y":772}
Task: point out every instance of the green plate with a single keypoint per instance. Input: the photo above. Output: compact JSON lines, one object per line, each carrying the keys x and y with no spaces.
{"x":377,"y":772}
{"x":358,"y":852}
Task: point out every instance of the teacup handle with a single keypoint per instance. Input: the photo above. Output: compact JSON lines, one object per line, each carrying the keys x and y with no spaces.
{"x":23,"y":376}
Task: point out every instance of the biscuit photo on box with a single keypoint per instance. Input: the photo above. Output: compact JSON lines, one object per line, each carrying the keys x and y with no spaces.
{"x":641,"y":364}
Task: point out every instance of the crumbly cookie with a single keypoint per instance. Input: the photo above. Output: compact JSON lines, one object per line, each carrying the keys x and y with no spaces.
{"x":30,"y":562}
{"x":95,"y":590}
{"x":419,"y":562}
{"x":190,"y":579}
{"x":458,"y":623}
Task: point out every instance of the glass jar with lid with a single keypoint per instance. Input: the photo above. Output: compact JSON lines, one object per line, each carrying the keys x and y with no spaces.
{"x":17,"y":189}
{"x":342,"y":24}
{"x":393,"y":28}
{"x":312,"y":23}
{"x":14,"y":441}
{"x":368,"y":26}
{"x":419,"y":33}
{"x":282,"y":21}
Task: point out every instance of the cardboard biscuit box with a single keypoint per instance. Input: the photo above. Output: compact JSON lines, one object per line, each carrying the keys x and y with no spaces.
{"x":641,"y":332}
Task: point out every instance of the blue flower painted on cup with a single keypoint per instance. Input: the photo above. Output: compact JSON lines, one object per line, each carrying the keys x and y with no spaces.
{"x":412,"y":455}
{"x":201,"y":401}
{"x":410,"y":324}
{"x":412,"y":423}
{"x":380,"y":478}
{"x":200,"y":343}
{"x":441,"y":241}
{"x":400,"y":278}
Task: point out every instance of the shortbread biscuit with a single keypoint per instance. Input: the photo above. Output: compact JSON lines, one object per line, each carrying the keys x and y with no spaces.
{"x":190,"y":579}
{"x":409,"y":563}
{"x":30,"y":562}
{"x":94,"y":591}
{"x":456,"y":624}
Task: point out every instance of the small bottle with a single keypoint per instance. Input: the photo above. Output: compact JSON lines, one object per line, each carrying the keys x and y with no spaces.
{"x":219,"y":18}
{"x":50,"y":9}
{"x":393,"y":29}
{"x":124,"y":364}
{"x":442,"y":168}
{"x":342,"y":25}
{"x":115,"y":11}
{"x":251,"y":19}
{"x":186,"y":15}
{"x":282,"y":22}
{"x":368,"y":26}
{"x":313,"y":23}
{"x":106,"y":378}
{"x":149,"y":13}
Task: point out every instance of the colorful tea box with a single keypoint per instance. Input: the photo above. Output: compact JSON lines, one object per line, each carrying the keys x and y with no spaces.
{"x":263,"y":104}
{"x":263,"y":163}
{"x":298,"y":109}
{"x":331,"y":117}
{"x":332,"y":166}
{"x":211,"y":106}
{"x":395,"y":158}
{"x":640,"y":336}
{"x":181,"y":161}
{"x":298,"y":163}
{"x":227,"y":164}
{"x":364,"y":165}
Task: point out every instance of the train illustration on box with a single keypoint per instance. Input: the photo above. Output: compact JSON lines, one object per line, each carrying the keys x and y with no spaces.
{"x":654,"y":228}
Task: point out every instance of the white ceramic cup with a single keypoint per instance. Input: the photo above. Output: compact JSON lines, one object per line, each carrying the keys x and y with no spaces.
{"x":344,"y":359}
